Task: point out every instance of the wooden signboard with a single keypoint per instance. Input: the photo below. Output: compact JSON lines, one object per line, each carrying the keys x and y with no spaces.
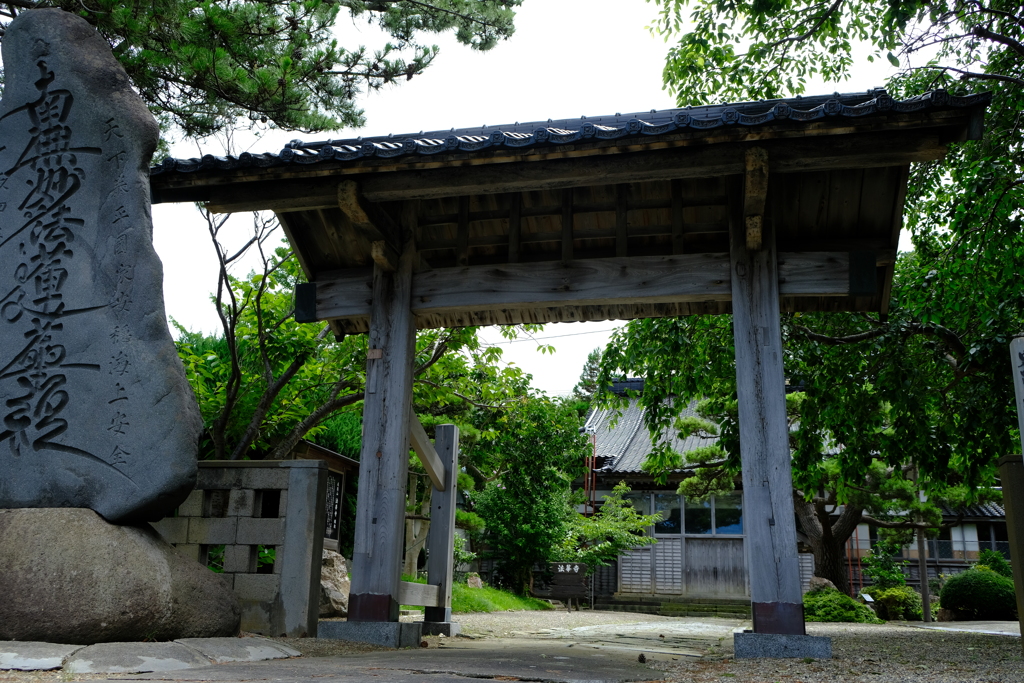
{"x":567,"y":580}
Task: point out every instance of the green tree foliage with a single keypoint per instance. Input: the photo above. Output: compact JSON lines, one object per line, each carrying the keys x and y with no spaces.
{"x":764,"y":50}
{"x":958,"y":299}
{"x":598,"y":540}
{"x":995,"y":561}
{"x":204,"y":65}
{"x":587,"y":386}
{"x":527,"y":505}
{"x":882,"y":567}
{"x":266,"y":381}
{"x":879,"y":402}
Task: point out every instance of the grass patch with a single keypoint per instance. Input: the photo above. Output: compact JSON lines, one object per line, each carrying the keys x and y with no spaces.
{"x":466,"y":599}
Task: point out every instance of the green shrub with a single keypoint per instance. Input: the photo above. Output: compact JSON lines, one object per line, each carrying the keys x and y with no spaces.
{"x":882,"y":567}
{"x":466,"y":599}
{"x":996,"y":562}
{"x":898,"y":602}
{"x":979,"y":593}
{"x":829,"y":604}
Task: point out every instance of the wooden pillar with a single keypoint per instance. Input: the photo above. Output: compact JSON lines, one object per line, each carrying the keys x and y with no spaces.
{"x":769,"y":521}
{"x":384,"y":458}
{"x":1011,"y":476}
{"x":441,"y":538}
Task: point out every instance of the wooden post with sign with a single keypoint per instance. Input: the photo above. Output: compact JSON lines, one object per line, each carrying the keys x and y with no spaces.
{"x":384,"y":458}
{"x":1011,"y":475}
{"x":777,"y":601}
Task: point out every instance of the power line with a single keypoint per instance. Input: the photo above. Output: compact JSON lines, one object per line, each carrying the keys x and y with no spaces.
{"x":556,"y":336}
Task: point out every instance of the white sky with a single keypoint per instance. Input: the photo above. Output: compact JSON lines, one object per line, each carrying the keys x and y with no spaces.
{"x":568,"y":58}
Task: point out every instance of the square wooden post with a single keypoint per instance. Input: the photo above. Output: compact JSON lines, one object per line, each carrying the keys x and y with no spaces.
{"x":441,"y":537}
{"x":1011,"y":474}
{"x":769,"y":522}
{"x":384,"y":458}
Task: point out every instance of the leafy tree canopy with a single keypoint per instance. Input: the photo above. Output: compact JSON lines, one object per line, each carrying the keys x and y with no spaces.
{"x":527,"y":505}
{"x":266,"y":381}
{"x":202,"y":66}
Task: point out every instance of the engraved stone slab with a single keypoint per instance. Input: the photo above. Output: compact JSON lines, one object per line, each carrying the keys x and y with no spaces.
{"x":95,"y":410}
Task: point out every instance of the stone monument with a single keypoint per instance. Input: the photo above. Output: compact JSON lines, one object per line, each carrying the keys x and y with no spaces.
{"x":96,"y":415}
{"x":95,"y":410}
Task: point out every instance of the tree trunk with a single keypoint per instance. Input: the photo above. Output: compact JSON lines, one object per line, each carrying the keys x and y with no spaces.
{"x":826,"y":538}
{"x":829,"y":563}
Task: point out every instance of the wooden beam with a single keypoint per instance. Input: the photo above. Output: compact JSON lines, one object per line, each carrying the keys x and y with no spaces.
{"x":366,"y":216}
{"x":567,"y":225}
{"x":676,"y":190}
{"x":769,"y":524}
{"x":425,"y":451}
{"x":384,"y":455}
{"x":422,"y":594}
{"x":622,"y":220}
{"x":515,"y":226}
{"x":632,"y":280}
{"x":462,"y":234}
{"x":755,"y":192}
{"x":866,"y":151}
{"x":314,"y":188}
{"x":441,"y":537}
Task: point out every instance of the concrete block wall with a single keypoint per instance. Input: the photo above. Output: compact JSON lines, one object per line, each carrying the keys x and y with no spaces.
{"x":233,"y":506}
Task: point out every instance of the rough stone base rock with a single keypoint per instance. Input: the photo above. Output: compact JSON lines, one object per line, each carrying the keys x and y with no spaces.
{"x":817,"y":583}
{"x":69,"y":576}
{"x":780,"y":646}
{"x":473,"y":580}
{"x":334,"y":585}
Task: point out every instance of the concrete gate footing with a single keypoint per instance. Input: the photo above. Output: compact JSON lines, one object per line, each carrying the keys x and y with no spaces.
{"x":781,"y":646}
{"x":384,"y":633}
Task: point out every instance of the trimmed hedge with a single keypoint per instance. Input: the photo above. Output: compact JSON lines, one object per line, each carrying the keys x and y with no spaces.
{"x":829,"y":604}
{"x":899,"y":602}
{"x":980,"y":593}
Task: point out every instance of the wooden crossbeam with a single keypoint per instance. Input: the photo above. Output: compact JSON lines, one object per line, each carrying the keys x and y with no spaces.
{"x":422,"y":594}
{"x":610,"y":281}
{"x":427,"y":455}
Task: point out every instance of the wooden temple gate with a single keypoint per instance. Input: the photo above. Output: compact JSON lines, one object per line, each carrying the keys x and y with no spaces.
{"x":753,"y":209}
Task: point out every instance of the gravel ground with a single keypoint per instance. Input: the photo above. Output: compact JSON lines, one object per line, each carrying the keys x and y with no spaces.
{"x":890,"y":653}
{"x":880,"y":654}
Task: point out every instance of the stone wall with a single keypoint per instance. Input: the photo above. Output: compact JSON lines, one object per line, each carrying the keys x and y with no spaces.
{"x":252,"y":505}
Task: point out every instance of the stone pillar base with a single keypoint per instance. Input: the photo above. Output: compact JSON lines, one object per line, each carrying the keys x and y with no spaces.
{"x":441,"y":628}
{"x":781,"y":646}
{"x":384,"y":633}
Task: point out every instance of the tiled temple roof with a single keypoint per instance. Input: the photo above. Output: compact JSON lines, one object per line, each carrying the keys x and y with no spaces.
{"x":620,"y":126}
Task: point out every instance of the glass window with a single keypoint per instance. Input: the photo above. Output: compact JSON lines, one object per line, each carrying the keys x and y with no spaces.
{"x":641,"y":502}
{"x":729,"y":513}
{"x":667,"y":504}
{"x":698,"y":517}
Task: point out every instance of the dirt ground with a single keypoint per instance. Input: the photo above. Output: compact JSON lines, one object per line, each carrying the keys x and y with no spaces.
{"x":698,"y":651}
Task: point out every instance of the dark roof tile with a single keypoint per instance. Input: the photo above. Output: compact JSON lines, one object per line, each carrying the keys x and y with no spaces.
{"x":520,"y":135}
